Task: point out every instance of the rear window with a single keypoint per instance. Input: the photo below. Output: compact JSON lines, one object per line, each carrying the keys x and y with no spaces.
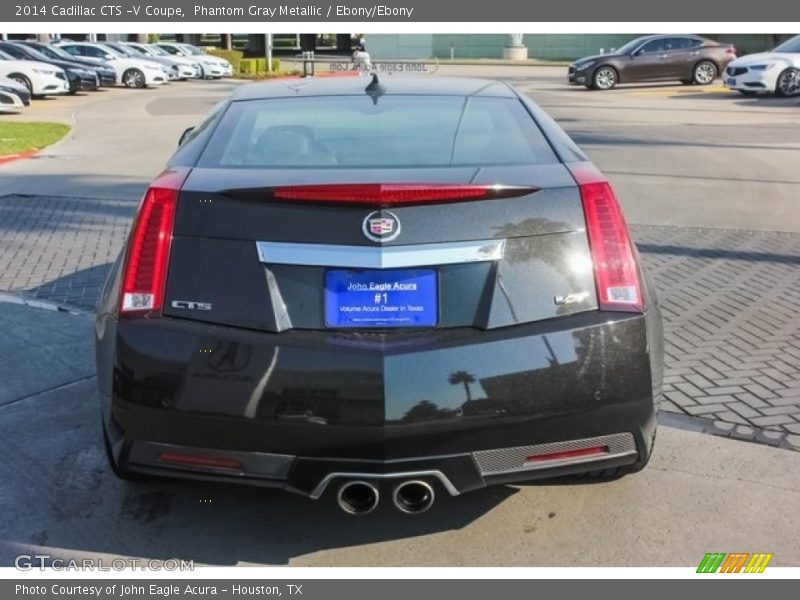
{"x":393,"y":132}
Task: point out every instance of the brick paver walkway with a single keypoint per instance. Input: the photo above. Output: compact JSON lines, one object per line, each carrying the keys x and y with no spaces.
{"x":730,"y":299}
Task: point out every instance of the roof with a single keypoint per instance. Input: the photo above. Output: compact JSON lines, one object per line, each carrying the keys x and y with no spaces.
{"x":345,"y":86}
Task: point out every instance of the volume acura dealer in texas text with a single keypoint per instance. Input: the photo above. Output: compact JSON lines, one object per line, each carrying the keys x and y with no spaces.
{"x":310,"y":10}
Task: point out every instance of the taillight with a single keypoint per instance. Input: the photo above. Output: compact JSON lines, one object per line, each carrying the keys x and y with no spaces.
{"x":145,"y":271}
{"x":615,"y":271}
{"x":731,"y":50}
{"x":395,"y":194}
{"x":568,"y":454}
{"x":196,"y":460}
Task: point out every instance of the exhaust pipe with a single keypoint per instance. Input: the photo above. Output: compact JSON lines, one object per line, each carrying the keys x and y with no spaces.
{"x":413,"y":497}
{"x":357,"y":497}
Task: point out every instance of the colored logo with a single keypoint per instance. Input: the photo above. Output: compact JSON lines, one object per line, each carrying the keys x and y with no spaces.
{"x":736,"y":562}
{"x":381,"y":226}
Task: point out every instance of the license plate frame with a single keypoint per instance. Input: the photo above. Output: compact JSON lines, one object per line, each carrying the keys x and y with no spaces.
{"x":381,"y":298}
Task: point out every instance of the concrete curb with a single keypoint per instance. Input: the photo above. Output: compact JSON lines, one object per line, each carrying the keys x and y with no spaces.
{"x":8,"y":298}
{"x":19,"y":156}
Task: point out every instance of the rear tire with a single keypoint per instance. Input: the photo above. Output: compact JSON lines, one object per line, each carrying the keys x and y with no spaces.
{"x":604,"y":78}
{"x":788,"y":83}
{"x":704,"y":72}
{"x":133,"y":78}
{"x":23,"y":80}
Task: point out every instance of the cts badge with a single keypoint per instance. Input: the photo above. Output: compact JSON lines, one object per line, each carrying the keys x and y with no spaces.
{"x":381,"y":226}
{"x":189,"y":305}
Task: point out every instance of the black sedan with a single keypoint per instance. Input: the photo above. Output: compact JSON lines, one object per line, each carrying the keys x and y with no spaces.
{"x":80,"y":78}
{"x":409,"y":289}
{"x":105,"y":72}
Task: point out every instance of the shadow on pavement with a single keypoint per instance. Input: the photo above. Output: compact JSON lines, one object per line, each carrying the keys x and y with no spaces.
{"x":74,"y":505}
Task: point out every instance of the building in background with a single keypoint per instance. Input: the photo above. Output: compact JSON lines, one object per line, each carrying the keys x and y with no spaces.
{"x":540,"y":46}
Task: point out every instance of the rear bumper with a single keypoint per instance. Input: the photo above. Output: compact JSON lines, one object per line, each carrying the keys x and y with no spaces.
{"x":463,"y":408}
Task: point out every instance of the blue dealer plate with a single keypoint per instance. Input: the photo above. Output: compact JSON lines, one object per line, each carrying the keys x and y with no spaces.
{"x":381,"y":298}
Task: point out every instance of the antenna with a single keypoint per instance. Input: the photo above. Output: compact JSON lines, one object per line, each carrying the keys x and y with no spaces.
{"x":375,"y":89}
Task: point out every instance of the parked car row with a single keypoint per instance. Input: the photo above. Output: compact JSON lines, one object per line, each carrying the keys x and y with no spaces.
{"x":31,"y":68}
{"x":692,"y":59}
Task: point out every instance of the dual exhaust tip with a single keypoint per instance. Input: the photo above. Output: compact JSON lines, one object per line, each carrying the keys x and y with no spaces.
{"x":361,"y":497}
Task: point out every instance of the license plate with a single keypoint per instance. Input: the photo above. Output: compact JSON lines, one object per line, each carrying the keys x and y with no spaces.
{"x":730,"y":81}
{"x":381,"y":298}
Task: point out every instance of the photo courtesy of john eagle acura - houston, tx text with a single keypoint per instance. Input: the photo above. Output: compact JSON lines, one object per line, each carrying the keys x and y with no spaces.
{"x":368,"y":290}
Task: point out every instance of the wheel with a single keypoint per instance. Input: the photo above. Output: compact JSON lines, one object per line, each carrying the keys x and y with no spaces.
{"x":704,"y":72}
{"x":604,"y":78}
{"x":788,"y":83}
{"x":19,"y":78}
{"x":133,"y":78}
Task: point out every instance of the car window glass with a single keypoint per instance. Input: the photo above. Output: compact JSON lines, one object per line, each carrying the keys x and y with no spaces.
{"x":396,"y":132}
{"x":654,"y":46}
{"x":791,"y":45}
{"x":13,"y":51}
{"x":678,"y":43}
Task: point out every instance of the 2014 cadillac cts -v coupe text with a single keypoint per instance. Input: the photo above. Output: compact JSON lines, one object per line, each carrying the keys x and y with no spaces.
{"x":401,"y":291}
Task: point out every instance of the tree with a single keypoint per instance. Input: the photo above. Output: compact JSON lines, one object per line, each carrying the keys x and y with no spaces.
{"x":464,"y":378}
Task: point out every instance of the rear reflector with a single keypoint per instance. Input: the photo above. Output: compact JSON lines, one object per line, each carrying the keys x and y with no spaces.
{"x":195,"y":460}
{"x":146,"y":262}
{"x":616,"y":275}
{"x":395,"y":194}
{"x":568,"y":454}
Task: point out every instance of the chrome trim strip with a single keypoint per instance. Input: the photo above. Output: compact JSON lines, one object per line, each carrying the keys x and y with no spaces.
{"x":323,"y":484}
{"x":380,"y":257}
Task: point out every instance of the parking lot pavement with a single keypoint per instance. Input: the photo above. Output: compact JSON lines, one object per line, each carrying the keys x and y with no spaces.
{"x":699,"y":494}
{"x":709,"y":181}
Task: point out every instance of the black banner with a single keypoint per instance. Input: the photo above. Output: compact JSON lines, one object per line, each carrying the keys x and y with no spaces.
{"x":394,"y":11}
{"x":343,"y":589}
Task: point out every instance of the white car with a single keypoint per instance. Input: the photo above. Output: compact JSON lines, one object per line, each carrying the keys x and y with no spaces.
{"x":183,"y":68}
{"x":776,"y":72}
{"x":213,"y":66}
{"x":131,"y":72}
{"x":15,"y":88}
{"x":10,"y":102}
{"x":39,"y":78}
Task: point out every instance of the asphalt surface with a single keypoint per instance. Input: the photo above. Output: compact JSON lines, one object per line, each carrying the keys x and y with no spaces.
{"x":710,"y":183}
